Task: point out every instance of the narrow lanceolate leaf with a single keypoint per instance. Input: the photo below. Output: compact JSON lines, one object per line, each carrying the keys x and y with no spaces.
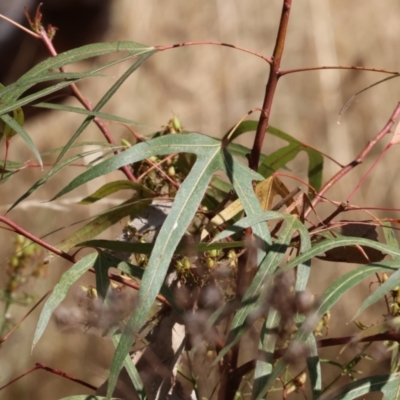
{"x":184,"y":208}
{"x":387,"y":384}
{"x":132,"y":371}
{"x":188,"y":143}
{"x":89,"y":113}
{"x":144,"y":54}
{"x":338,"y":242}
{"x":51,"y":173}
{"x":389,"y":234}
{"x":382,"y":290}
{"x":250,"y":221}
{"x":256,"y":293}
{"x":242,"y":178}
{"x":303,"y":269}
{"x":315,"y":158}
{"x":314,"y":367}
{"x":115,"y":186}
{"x":266,"y":348}
{"x":328,"y":299}
{"x":81,"y":53}
{"x":60,"y":291}
{"x":147,"y":248}
{"x":15,"y":126}
{"x":102,"y":222}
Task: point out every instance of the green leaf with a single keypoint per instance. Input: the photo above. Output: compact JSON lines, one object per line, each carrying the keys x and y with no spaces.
{"x":78,"y":110}
{"x":338,"y":242}
{"x":191,"y":142}
{"x":266,"y":348}
{"x":14,"y":89}
{"x":389,"y":234}
{"x":257,"y":289}
{"x":48,"y":66}
{"x":387,"y":384}
{"x":103,"y":221}
{"x":132,"y":371}
{"x":379,"y":293}
{"x":184,"y":208}
{"x":15,"y":126}
{"x":115,"y":186}
{"x":144,"y":54}
{"x":315,"y":158}
{"x":250,"y":221}
{"x":60,"y":291}
{"x":51,"y":173}
{"x":147,"y":248}
{"x":242,"y":179}
{"x":328,"y":299}
{"x":314,"y":367}
{"x":303,"y":269}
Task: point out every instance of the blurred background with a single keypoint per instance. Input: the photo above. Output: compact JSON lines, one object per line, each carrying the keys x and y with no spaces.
{"x":209,"y":88}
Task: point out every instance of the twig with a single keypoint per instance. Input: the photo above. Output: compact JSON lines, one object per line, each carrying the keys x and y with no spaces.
{"x":53,"y":371}
{"x":6,"y":336}
{"x":352,"y":67}
{"x":205,"y":42}
{"x":359,"y":159}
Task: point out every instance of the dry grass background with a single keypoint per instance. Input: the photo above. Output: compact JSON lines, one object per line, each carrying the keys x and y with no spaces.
{"x":210,"y":88}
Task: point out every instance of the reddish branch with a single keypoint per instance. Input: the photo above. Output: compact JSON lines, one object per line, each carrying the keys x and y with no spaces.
{"x":271,"y":86}
{"x":358,"y":160}
{"x":53,"y":371}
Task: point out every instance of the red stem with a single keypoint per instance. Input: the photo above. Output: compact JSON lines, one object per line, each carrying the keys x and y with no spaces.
{"x":53,"y":371}
{"x":274,"y":75}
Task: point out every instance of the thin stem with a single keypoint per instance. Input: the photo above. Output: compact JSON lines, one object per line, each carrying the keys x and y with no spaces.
{"x":353,"y":192}
{"x":6,"y":336}
{"x":209,"y":42}
{"x":358,"y":160}
{"x":33,"y":238}
{"x":53,"y":371}
{"x":263,"y":123}
{"x":28,"y":31}
{"x":327,"y":67}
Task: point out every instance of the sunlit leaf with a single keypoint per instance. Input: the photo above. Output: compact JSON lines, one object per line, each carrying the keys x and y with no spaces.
{"x":60,"y":291}
{"x":389,"y":385}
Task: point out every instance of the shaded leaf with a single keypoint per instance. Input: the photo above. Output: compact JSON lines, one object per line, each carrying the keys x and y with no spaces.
{"x":51,"y":173}
{"x":315,"y":158}
{"x":328,"y":299}
{"x":102,"y":222}
{"x":115,"y":186}
{"x":16,"y":127}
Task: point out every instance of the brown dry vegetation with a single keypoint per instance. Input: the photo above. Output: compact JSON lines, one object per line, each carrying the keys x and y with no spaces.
{"x":210,"y":88}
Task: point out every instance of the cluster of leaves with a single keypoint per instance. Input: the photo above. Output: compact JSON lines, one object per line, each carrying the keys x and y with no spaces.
{"x":225,"y":232}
